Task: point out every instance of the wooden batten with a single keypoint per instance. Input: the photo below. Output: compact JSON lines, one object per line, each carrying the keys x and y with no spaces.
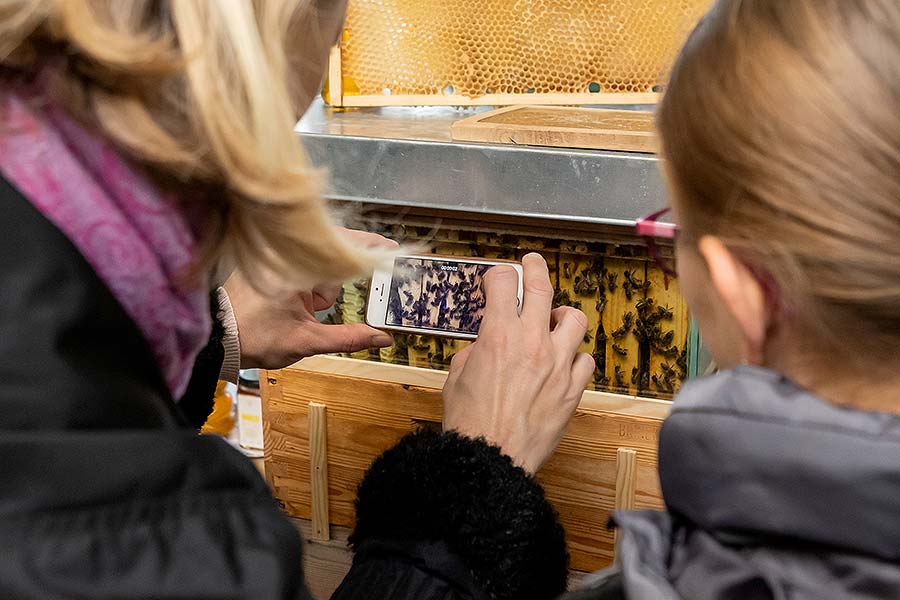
{"x":626,"y":481}
{"x":335,"y":78}
{"x":626,"y":478}
{"x":375,"y":100}
{"x":318,"y":471}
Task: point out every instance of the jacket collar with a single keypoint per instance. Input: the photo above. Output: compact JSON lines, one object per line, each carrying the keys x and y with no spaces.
{"x":752,"y":457}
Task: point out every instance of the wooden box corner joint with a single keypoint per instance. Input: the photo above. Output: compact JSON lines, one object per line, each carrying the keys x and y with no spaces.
{"x":318,"y":471}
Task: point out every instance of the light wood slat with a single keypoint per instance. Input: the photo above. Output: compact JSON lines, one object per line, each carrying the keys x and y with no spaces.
{"x":318,"y":469}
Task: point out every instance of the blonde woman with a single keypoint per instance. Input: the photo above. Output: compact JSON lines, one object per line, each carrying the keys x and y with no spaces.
{"x":146,"y":150}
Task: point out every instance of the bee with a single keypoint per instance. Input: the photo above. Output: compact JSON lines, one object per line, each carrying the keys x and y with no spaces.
{"x":601,"y":336}
{"x":420,"y":343}
{"x":681,"y":361}
{"x":585,"y":284}
{"x":635,"y":375}
{"x":668,"y":370}
{"x":620,"y":378}
{"x":644,"y":305}
{"x":603,"y":381}
{"x":668,"y":353}
{"x":619,"y":350}
{"x":567,"y":271}
{"x":361,"y":285}
{"x":619,"y":333}
{"x":663,"y":384}
{"x":628,"y":320}
{"x":587,"y":338}
{"x":640,"y":331}
{"x":667,"y":338}
{"x":664,"y":312}
{"x":611,"y":282}
{"x":601,"y":304}
{"x":626,"y":287}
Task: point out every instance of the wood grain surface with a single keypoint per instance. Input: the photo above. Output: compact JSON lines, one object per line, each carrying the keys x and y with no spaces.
{"x":562,"y":126}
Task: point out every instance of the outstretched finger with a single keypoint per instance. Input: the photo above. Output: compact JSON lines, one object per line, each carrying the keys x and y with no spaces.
{"x":537,"y":291}
{"x":327,"y":339}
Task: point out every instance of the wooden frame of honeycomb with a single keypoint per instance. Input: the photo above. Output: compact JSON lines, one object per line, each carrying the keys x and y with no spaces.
{"x":501,"y":52}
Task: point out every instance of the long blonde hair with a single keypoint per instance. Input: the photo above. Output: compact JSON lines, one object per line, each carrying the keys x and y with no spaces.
{"x":781,"y":132}
{"x":203,"y":94}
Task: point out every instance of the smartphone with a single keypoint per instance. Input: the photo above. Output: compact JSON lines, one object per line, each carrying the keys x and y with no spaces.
{"x":433,"y":295}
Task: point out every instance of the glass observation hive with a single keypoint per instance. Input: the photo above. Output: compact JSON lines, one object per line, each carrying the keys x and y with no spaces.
{"x":467,"y":52}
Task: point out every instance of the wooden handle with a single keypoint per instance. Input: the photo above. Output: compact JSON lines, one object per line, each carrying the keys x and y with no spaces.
{"x":318,"y":471}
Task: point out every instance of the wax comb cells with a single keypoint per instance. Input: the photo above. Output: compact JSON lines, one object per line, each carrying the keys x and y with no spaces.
{"x":477,"y":47}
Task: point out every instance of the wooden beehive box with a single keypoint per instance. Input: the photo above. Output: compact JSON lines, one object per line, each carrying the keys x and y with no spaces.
{"x":369,"y":406}
{"x":328,"y":418}
{"x":501,"y":52}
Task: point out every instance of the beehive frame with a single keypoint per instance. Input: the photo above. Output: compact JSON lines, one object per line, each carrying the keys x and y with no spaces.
{"x":554,"y":52}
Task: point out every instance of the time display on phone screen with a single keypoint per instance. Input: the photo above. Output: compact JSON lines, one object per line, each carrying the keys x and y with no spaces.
{"x":437,"y":294}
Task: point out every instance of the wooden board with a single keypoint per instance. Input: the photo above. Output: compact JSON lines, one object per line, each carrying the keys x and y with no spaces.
{"x":561,"y":126}
{"x":373,"y":100}
{"x":367,"y":416}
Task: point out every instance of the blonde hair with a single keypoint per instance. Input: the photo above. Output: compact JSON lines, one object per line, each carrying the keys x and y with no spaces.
{"x":204,"y":94}
{"x":781,"y":134}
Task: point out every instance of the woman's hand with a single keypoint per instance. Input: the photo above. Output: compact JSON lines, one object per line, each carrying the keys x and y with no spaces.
{"x":520,"y":382}
{"x":274,"y":333}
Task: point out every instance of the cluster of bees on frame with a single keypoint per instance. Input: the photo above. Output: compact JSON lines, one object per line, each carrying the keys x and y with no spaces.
{"x":638,"y":326}
{"x":650,"y":324}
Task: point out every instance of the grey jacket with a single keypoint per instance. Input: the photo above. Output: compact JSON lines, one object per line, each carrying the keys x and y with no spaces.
{"x":771,"y":493}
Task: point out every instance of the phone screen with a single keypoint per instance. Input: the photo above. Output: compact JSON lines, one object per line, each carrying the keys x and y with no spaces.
{"x":437,"y":294}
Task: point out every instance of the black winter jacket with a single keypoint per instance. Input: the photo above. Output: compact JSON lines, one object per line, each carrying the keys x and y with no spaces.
{"x":107,"y":491}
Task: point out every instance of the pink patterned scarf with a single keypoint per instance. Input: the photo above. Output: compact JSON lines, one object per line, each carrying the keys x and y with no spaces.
{"x":136,"y":239}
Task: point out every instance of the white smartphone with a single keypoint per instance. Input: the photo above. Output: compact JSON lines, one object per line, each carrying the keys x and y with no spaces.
{"x":432,"y":295}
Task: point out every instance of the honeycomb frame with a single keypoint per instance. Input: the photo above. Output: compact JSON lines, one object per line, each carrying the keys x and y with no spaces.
{"x":503,"y":52}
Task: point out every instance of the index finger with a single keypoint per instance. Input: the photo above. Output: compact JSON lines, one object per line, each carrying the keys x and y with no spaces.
{"x":501,"y":294}
{"x":537,"y":291}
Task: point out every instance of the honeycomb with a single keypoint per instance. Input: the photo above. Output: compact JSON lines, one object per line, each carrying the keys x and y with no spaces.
{"x":477,"y":47}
